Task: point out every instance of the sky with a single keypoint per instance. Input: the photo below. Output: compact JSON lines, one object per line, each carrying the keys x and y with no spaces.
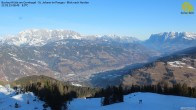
{"x":136,"y":18}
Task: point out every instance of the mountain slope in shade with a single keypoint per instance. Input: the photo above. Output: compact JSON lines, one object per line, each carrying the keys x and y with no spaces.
{"x":68,"y":58}
{"x":169,"y":42}
{"x":177,"y":68}
{"x":67,"y":55}
{"x":150,"y":101}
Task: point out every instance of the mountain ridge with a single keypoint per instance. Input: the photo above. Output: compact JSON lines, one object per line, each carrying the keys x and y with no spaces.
{"x":169,"y":42}
{"x":40,"y":37}
{"x":172,"y":69}
{"x":69,"y":59}
{"x":69,"y":56}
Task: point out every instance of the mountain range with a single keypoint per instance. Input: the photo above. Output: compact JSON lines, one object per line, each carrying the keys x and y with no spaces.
{"x":40,"y":37}
{"x":70,"y":56}
{"x":169,"y":42}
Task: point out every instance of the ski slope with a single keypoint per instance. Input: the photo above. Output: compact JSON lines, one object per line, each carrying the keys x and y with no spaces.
{"x":150,"y":101}
{"x":8,"y":98}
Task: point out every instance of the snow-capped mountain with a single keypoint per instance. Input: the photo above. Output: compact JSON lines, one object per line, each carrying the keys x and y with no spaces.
{"x":115,"y":38}
{"x":67,"y":55}
{"x":172,"y":37}
{"x":169,"y":42}
{"x":40,"y":37}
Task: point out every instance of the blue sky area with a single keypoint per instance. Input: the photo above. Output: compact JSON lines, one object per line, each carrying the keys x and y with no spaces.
{"x":137,"y":18}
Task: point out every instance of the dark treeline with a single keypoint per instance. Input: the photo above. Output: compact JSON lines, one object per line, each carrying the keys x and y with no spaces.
{"x":115,"y":94}
{"x":111,"y":95}
{"x":55,"y":93}
{"x":176,"y":89}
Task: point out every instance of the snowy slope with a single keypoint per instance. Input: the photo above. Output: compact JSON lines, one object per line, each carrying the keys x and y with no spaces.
{"x":8,"y":98}
{"x":150,"y":101}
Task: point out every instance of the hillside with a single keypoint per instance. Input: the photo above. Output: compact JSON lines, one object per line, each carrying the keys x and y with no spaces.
{"x":55,"y":93}
{"x":177,"y":68}
{"x":25,"y":101}
{"x":83,"y":60}
{"x":150,"y":101}
{"x":67,"y":55}
{"x":42,"y":82}
{"x":86,"y":60}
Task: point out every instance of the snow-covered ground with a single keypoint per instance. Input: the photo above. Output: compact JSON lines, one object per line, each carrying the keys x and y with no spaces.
{"x":176,"y":64}
{"x":8,"y":98}
{"x":180,"y":64}
{"x":75,"y":84}
{"x":150,"y":101}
